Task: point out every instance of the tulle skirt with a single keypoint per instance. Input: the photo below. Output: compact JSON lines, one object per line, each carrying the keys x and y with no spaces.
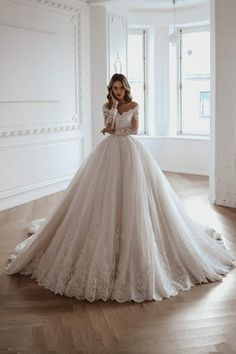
{"x":120,"y":233}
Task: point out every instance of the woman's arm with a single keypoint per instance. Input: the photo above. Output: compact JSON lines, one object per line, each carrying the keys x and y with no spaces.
{"x":110,"y":116}
{"x":109,"y":119}
{"x":135,"y":121}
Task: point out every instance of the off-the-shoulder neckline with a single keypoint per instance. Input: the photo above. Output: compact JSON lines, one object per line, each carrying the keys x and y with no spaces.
{"x":124,"y":111}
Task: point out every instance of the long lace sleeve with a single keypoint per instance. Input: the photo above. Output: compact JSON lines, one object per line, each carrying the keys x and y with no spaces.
{"x":109,"y":116}
{"x":133,"y":129}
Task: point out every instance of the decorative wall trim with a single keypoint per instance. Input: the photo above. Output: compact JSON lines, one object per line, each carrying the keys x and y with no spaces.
{"x":123,"y":66}
{"x":39,"y":130}
{"x":122,"y":19}
{"x":77,"y":117}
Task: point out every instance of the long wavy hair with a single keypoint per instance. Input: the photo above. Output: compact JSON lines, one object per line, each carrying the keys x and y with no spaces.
{"x":125,"y":83}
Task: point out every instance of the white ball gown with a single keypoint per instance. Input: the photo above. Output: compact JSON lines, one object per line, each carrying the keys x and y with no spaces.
{"x":120,"y":232}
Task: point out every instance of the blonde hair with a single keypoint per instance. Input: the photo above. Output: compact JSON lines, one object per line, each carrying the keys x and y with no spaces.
{"x":125,"y":83}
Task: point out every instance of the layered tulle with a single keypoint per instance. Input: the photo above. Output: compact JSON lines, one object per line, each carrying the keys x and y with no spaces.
{"x":120,"y":232}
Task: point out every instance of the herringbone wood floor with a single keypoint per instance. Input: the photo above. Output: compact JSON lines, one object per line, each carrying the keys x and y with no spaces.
{"x":201,"y":320}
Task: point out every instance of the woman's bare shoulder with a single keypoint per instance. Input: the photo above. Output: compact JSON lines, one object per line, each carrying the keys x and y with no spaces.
{"x":133,"y":104}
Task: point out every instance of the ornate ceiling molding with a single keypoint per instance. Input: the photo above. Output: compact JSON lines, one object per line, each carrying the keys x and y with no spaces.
{"x":57,"y":5}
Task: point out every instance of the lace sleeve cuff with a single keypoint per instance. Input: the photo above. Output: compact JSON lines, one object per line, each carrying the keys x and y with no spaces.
{"x":126,"y":131}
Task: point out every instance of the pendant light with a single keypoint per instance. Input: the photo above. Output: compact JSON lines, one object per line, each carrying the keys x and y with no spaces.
{"x":174,"y":37}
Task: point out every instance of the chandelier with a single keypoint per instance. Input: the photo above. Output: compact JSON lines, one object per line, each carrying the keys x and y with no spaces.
{"x":174,"y":37}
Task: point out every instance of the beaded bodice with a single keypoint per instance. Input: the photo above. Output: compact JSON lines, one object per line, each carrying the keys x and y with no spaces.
{"x":121,"y":122}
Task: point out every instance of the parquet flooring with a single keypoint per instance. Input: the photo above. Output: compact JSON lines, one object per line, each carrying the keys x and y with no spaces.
{"x":201,"y":320}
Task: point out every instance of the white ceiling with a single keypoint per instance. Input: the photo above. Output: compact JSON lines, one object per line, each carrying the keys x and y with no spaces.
{"x":153,"y":4}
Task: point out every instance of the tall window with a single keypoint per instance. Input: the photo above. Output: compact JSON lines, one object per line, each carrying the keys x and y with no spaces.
{"x":194,"y":82}
{"x":137,"y":73}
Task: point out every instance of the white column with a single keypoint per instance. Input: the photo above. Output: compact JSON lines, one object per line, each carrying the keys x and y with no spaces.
{"x":223,"y":116}
{"x":108,"y":43}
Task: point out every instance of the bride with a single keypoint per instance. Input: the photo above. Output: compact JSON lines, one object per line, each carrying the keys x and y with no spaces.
{"x":120,"y":232}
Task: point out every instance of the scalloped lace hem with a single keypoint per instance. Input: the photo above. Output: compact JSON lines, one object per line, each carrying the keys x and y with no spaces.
{"x":134,"y":298}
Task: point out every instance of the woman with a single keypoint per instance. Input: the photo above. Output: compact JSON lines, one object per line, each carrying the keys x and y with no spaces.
{"x":120,"y":232}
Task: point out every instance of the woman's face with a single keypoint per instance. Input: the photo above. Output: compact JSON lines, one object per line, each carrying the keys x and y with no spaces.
{"x":118,"y":90}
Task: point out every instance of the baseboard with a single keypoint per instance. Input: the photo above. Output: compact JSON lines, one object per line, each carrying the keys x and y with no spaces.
{"x":187,"y":171}
{"x":26,"y":194}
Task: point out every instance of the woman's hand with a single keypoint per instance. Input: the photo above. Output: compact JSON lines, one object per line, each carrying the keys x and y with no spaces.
{"x":106,"y":130}
{"x":114,"y":100}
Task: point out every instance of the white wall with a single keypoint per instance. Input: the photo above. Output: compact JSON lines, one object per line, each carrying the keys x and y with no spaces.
{"x":223,"y":132}
{"x":108,"y":37}
{"x":177,"y":155}
{"x":44,"y":96}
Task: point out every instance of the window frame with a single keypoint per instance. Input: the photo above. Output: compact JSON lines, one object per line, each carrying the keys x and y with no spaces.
{"x":144,"y":32}
{"x":201,"y":115}
{"x":179,"y":79}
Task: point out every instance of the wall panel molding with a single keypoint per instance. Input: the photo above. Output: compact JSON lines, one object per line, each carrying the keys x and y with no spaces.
{"x":41,"y":143}
{"x":76,"y":120}
{"x":36,"y":167}
{"x":26,"y":194}
{"x":33,"y":186}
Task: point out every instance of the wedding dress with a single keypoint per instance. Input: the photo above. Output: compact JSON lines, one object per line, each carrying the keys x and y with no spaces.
{"x":120,"y":232}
